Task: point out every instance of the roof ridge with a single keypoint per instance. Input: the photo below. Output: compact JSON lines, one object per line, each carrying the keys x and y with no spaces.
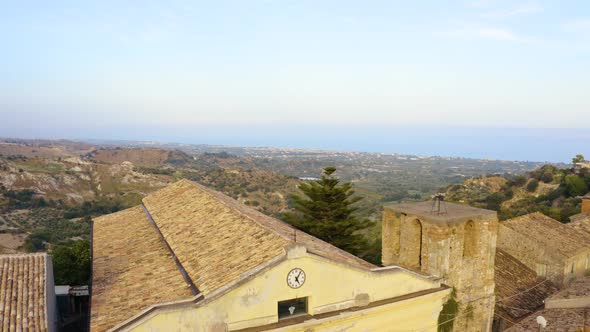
{"x":185,"y":276}
{"x":24,"y":254}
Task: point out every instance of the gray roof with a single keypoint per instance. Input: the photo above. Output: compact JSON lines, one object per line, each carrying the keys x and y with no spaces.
{"x":451,"y":213}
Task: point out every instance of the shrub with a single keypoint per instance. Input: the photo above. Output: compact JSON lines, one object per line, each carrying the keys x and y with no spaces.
{"x":532,"y":185}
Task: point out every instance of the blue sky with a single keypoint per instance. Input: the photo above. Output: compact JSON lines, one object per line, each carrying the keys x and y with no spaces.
{"x":299,"y":73}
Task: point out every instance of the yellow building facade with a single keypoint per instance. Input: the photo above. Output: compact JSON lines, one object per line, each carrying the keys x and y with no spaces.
{"x":190,"y":259}
{"x":338,"y":298}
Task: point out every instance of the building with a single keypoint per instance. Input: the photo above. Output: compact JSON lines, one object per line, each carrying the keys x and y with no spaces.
{"x":73,"y":306}
{"x":552,"y":249}
{"x":454,"y":242}
{"x":27,"y":299}
{"x":191,"y":259}
{"x":519,"y":291}
{"x":582,"y":165}
{"x":566,"y":310}
{"x":581,"y":221}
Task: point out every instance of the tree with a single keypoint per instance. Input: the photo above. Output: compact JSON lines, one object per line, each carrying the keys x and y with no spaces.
{"x":71,"y":263}
{"x":575,"y":185}
{"x":577,"y":159}
{"x":326,"y":212}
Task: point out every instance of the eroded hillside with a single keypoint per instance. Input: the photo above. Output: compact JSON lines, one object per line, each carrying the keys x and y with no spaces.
{"x":48,"y":199}
{"x":551,"y":190}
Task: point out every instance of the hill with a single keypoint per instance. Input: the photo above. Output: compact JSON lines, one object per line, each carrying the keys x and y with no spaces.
{"x":550,"y":190}
{"x":49,"y":190}
{"x":48,"y":200}
{"x":143,"y":156}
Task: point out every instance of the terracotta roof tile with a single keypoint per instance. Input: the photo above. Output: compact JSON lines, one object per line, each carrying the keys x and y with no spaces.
{"x":550,"y":232}
{"x":132,"y":269}
{"x":22,"y":292}
{"x":522,"y":290}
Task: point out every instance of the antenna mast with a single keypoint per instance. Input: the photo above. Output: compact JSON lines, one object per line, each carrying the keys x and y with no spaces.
{"x":438,"y":204}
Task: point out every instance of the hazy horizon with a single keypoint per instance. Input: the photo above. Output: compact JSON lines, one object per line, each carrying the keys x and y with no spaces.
{"x":481,"y":78}
{"x":522,"y":144}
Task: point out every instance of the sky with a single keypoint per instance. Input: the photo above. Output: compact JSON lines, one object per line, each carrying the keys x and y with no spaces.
{"x":489,"y":78}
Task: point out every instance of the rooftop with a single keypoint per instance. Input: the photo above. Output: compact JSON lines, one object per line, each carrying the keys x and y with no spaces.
{"x":452,"y":213}
{"x":185,"y":237}
{"x":580,"y":288}
{"x":522,"y":290}
{"x":580,"y":222}
{"x":564,"y":239}
{"x":566,"y":320}
{"x":23,"y":292}
{"x":565,"y":310}
{"x":131,"y":268}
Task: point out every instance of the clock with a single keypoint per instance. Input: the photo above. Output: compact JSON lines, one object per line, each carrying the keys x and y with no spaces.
{"x":296,"y":278}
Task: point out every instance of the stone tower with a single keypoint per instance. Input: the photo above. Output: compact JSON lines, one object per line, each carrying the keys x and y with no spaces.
{"x":456,"y":243}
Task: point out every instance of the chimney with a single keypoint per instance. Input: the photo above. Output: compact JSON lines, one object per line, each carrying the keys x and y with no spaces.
{"x":586,"y":203}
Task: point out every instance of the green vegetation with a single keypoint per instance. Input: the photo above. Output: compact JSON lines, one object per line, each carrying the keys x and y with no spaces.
{"x":326,"y":212}
{"x":55,"y":232}
{"x":72,"y":263}
{"x":550,"y":190}
{"x":575,"y":185}
{"x":578,"y":159}
{"x":98,"y":207}
{"x":21,"y":199}
{"x":446,"y":318}
{"x":532,"y":185}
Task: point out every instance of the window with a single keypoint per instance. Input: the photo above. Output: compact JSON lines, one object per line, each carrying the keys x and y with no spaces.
{"x":413,"y":235}
{"x":292,"y":308}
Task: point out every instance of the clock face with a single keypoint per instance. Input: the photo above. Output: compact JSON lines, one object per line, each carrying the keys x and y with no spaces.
{"x":296,"y":278}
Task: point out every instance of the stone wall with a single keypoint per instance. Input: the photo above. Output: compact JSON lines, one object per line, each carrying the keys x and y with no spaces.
{"x":390,"y":238}
{"x":462,"y":254}
{"x":580,"y":264}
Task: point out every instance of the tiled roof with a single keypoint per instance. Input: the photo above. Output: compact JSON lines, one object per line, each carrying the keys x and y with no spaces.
{"x":523,"y":292}
{"x":551,"y":233}
{"x":558,"y":320}
{"x":580,"y":221}
{"x":131,"y":269}
{"x":580,"y":288}
{"x":217,"y":239}
{"x":565,"y":310}
{"x":22,"y":292}
{"x":214,"y":238}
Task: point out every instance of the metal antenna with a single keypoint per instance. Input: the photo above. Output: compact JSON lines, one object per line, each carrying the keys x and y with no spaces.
{"x":438,"y":204}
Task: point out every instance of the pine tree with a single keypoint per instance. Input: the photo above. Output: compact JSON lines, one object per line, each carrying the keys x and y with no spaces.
{"x":326,"y":212}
